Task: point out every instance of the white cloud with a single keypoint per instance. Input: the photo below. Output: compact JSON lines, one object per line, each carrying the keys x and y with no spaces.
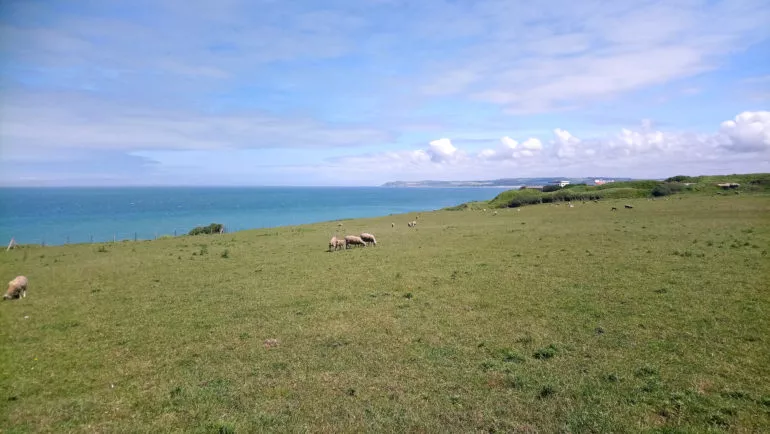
{"x":748,"y":132}
{"x":548,"y":57}
{"x":32,"y":123}
{"x":566,"y":145}
{"x":512,"y":150}
{"x":442,"y":150}
{"x":747,"y":138}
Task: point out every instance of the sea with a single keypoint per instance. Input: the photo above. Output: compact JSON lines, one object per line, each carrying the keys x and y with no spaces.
{"x":55,"y":216}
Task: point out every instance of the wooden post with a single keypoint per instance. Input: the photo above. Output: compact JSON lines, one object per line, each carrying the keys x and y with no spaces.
{"x":174,"y":232}
{"x":134,"y":236}
{"x":114,"y":237}
{"x":11,"y":245}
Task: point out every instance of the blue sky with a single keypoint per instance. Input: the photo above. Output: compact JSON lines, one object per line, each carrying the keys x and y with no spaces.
{"x":268,"y":92}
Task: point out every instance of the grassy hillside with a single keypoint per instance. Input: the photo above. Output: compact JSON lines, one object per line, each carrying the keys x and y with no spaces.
{"x":547,"y":319}
{"x":751,"y":183}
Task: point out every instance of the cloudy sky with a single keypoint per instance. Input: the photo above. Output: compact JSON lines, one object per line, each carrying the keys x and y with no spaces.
{"x":360,"y":92}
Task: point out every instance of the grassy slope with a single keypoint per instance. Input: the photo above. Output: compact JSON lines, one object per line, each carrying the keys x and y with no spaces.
{"x":749,"y":183}
{"x":656,"y":318}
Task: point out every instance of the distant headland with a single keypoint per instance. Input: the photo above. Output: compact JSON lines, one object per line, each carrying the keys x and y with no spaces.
{"x":504,"y":182}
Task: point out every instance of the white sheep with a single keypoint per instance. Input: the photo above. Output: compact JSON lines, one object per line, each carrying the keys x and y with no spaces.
{"x":353,"y":240}
{"x":16,"y":288}
{"x":369,"y":238}
{"x":336,"y":243}
{"x":494,"y":213}
{"x":393,"y":225}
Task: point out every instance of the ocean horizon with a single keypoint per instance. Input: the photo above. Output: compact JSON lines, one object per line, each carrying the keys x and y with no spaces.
{"x":62,"y":215}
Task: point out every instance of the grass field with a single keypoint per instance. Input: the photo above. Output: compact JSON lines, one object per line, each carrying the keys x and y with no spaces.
{"x":547,"y":319}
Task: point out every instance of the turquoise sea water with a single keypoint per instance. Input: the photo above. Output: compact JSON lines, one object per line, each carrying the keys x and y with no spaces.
{"x":75,"y":215}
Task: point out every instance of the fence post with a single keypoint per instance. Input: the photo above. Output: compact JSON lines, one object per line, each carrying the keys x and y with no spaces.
{"x":134,"y":236}
{"x":114,"y":237}
{"x":68,"y":240}
{"x":174,"y":232}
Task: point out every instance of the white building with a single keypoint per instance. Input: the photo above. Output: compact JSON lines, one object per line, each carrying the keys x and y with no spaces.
{"x":563,"y":183}
{"x":603,"y":181}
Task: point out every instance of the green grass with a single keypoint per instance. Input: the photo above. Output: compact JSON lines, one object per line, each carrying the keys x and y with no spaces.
{"x":548,"y":319}
{"x":700,"y":185}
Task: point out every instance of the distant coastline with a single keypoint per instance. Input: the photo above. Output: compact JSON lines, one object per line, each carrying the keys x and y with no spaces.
{"x":510,"y":183}
{"x":453,"y":186}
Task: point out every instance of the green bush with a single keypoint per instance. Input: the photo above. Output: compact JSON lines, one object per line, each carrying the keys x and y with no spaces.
{"x":682,"y":178}
{"x":667,"y":188}
{"x":551,"y":187}
{"x":661,"y":190}
{"x":213,"y":228}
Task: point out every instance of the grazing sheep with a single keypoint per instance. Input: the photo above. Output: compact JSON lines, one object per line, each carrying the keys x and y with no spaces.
{"x":412,"y":224}
{"x":494,"y":213}
{"x":353,"y":240}
{"x":369,"y":238}
{"x":614,"y":209}
{"x":628,"y":206}
{"x":393,"y":225}
{"x":16,"y":288}
{"x":336,"y":243}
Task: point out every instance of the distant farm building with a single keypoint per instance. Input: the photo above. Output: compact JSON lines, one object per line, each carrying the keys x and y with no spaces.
{"x":603,"y":181}
{"x":563,"y":183}
{"x":727,"y":185}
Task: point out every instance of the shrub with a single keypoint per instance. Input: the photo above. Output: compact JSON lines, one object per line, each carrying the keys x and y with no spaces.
{"x":667,"y":188}
{"x":682,"y":178}
{"x":661,"y":190}
{"x":213,"y":228}
{"x":551,"y":187}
